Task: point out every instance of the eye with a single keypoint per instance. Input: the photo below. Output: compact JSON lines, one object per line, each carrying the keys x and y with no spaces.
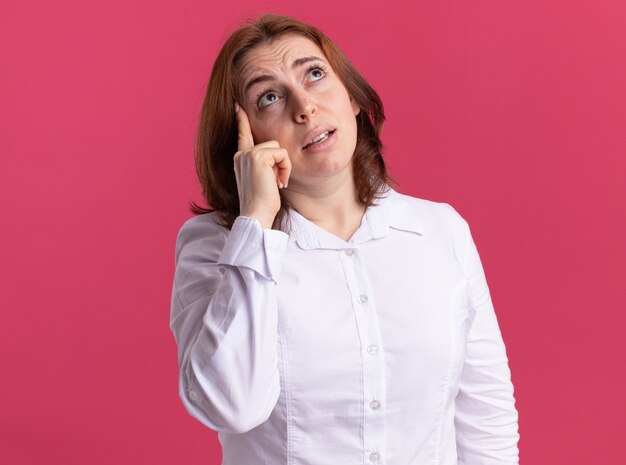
{"x":266,"y":99}
{"x":318,"y":71}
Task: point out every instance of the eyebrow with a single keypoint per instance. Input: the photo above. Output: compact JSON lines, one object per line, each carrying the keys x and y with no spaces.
{"x":266,"y":77}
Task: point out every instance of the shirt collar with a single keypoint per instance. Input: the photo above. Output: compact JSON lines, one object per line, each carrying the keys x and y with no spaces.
{"x":393,"y":210}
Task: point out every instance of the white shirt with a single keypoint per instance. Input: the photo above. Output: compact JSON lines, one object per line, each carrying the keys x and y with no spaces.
{"x":305,"y":349}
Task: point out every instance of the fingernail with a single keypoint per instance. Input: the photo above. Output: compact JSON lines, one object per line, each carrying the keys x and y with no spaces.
{"x":236,"y":107}
{"x":280,"y":185}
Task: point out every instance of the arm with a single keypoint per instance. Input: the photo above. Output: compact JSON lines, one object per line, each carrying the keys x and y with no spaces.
{"x":224,"y":320}
{"x":485,"y":418}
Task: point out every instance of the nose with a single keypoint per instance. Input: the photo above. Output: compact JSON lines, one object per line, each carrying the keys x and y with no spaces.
{"x":304,"y":106}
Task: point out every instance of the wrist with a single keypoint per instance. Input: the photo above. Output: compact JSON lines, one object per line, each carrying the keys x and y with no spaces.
{"x":265,"y":220}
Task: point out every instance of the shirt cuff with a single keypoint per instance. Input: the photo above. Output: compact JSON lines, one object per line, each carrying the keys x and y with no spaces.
{"x":261,"y":250}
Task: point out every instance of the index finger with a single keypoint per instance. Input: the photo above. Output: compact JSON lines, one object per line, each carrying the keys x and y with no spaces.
{"x":245,"y":139}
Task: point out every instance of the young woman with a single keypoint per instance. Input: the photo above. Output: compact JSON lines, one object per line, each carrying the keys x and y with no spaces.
{"x":321,"y":316}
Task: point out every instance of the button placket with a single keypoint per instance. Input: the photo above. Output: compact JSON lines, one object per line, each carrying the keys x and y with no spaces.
{"x":373,"y":379}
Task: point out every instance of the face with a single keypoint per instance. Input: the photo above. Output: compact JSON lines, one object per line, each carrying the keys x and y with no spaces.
{"x":291,"y":93}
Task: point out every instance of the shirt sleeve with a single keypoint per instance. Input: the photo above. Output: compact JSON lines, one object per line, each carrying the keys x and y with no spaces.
{"x":486,"y":420}
{"x":224,"y":319}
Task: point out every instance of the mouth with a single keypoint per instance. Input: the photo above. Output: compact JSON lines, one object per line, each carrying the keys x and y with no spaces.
{"x":319,"y":139}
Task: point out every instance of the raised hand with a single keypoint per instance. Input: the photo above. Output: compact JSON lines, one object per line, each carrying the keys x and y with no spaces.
{"x":260,"y":171}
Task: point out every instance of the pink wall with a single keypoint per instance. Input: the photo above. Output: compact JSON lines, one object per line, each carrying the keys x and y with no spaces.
{"x":513,"y":112}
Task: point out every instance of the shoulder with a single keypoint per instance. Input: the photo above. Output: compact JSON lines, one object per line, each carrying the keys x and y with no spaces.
{"x":440,"y":224}
{"x":201,"y":233}
{"x":436,"y":219}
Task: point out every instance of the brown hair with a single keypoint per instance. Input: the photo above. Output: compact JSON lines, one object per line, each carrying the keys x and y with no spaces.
{"x":216,"y":141}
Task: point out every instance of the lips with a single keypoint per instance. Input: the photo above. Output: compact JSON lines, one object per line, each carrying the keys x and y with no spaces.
{"x":315,"y":133}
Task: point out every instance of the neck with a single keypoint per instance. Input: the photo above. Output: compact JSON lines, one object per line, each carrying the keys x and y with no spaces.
{"x":332,"y":204}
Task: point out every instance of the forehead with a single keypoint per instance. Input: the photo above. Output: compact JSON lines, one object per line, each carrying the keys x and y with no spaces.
{"x":277,"y":55}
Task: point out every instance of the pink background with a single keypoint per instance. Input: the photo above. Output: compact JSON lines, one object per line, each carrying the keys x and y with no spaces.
{"x":513,"y":112}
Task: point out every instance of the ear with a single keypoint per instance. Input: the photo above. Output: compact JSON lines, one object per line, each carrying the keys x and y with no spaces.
{"x":355,"y":106}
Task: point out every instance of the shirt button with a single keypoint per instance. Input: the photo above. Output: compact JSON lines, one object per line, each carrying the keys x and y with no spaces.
{"x":349,"y":252}
{"x":374,"y":404}
{"x":362,"y":299}
{"x":193,"y":395}
{"x":372,"y":349}
{"x":374,"y":456}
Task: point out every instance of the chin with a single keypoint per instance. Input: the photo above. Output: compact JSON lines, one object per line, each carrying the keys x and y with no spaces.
{"x":329,"y":168}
